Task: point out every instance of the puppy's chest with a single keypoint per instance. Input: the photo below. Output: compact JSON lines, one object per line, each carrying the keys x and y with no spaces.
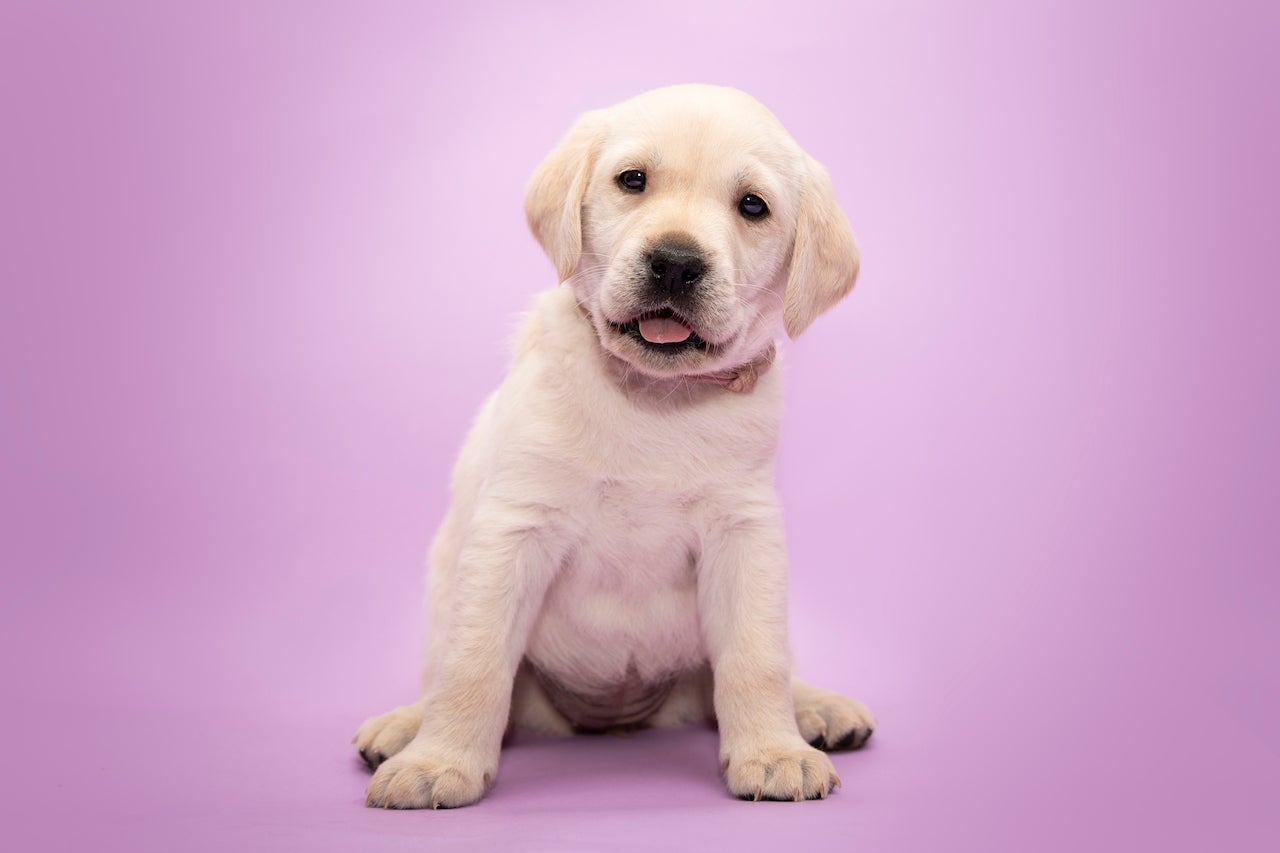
{"x":624,"y":604}
{"x":633,"y":541}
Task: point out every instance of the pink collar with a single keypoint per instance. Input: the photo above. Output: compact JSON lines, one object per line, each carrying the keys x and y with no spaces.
{"x":743,"y":378}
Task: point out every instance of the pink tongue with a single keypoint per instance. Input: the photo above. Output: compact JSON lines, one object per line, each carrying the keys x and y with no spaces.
{"x":664,"y":330}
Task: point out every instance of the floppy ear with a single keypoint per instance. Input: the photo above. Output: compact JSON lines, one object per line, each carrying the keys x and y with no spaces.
{"x":824,"y":262}
{"x":553,"y":200}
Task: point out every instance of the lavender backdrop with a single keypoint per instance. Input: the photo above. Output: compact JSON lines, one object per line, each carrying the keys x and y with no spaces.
{"x":258,"y":262}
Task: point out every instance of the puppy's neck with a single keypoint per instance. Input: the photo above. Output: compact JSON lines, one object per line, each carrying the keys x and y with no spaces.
{"x":743,"y":378}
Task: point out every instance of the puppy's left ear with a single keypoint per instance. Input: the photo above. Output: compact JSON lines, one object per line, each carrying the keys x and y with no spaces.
{"x":553,"y":200}
{"x":824,"y":261}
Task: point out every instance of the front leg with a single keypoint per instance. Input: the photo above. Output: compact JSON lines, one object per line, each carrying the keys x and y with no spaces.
{"x":502,"y":577}
{"x":742,"y":603}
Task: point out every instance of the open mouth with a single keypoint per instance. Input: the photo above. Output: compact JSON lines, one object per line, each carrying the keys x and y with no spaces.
{"x":662,"y":331}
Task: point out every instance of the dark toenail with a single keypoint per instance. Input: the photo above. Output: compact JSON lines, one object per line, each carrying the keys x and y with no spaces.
{"x":818,"y":742}
{"x":845,"y":742}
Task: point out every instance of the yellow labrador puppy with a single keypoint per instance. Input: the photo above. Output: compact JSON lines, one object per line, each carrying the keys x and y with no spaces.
{"x":614,"y":553}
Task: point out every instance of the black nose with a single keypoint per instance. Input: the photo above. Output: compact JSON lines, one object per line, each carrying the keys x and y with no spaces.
{"x":675,"y":267}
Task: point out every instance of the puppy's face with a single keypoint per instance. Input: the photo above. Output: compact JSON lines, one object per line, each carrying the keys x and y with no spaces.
{"x":689,"y":225}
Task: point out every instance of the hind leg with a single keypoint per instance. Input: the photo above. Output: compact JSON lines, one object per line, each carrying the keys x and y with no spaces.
{"x":825,"y":719}
{"x":830,"y":721}
{"x":383,"y":736}
{"x":531,"y":710}
{"x":690,"y":702}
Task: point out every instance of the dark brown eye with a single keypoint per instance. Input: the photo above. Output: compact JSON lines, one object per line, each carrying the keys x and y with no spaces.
{"x":633,"y":180}
{"x":752,"y":206}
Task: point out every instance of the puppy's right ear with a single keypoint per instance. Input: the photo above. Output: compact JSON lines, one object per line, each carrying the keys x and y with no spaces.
{"x":553,"y":200}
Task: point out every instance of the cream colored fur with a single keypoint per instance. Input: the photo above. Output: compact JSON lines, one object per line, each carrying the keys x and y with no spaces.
{"x":613,"y":522}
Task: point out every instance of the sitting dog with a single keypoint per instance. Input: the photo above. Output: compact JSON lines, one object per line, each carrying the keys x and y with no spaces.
{"x":613,"y":556}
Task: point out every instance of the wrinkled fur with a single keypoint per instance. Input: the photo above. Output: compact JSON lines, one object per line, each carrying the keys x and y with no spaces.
{"x":614,"y":523}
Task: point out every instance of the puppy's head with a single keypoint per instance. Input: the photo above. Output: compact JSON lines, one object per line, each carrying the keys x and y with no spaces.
{"x":691,"y":226}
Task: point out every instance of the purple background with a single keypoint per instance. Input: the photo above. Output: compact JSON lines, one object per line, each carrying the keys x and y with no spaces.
{"x":258,"y":263}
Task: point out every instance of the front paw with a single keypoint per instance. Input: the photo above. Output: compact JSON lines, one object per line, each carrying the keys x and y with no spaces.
{"x":779,"y":773}
{"x":423,"y":778}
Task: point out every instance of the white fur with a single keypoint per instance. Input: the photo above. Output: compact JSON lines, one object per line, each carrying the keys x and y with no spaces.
{"x":614,"y":524}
